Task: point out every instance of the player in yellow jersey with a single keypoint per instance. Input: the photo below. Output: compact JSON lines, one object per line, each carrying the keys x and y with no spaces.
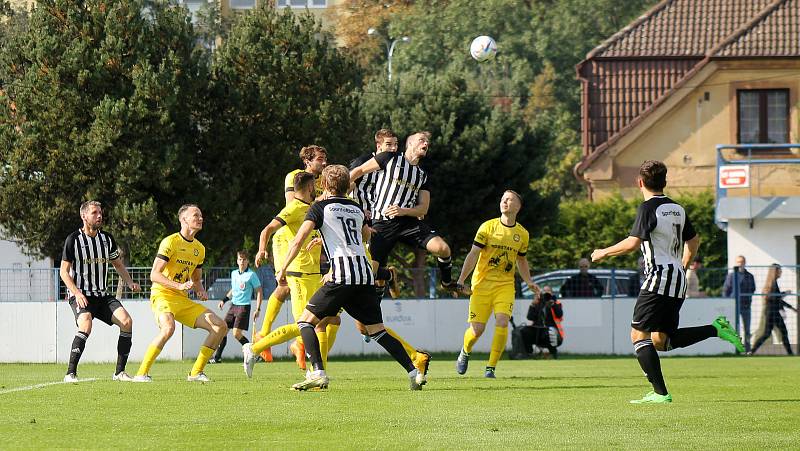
{"x":314,"y":159}
{"x":500,"y":246}
{"x":303,"y":276}
{"x":177,"y":269}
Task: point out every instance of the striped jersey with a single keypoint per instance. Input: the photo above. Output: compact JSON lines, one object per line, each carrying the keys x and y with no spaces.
{"x":397,"y":183}
{"x":90,"y":256}
{"x":340,"y":221}
{"x":364,"y":192}
{"x":663,"y":226}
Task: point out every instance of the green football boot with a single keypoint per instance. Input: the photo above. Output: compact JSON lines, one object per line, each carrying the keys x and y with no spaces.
{"x":653,"y":398}
{"x":726,"y":332}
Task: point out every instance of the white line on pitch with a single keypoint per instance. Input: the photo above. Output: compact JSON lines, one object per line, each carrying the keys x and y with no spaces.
{"x":34,"y":387}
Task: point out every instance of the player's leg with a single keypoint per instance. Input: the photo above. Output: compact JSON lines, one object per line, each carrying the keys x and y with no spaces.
{"x":438,"y":247}
{"x":83,"y":320}
{"x":503,"y":306}
{"x":480,"y":307}
{"x":688,"y":336}
{"x":648,"y":316}
{"x":166,"y":327}
{"x":230,"y":318}
{"x":216,"y":328}
{"x":326,"y":302}
{"x":122,"y":318}
{"x":274,"y":304}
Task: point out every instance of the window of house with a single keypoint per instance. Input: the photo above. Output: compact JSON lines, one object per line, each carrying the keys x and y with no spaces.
{"x":302,"y":3}
{"x":243,"y":4}
{"x":763,"y":116}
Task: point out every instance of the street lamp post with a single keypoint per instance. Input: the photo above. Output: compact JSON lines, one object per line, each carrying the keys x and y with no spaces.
{"x":390,"y":45}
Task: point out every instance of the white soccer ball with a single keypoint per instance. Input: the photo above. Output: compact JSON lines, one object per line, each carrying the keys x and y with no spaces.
{"x":483,"y":48}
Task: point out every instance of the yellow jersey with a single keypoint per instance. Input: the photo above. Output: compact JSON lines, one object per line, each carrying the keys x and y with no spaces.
{"x":292,"y":217}
{"x":182,"y":257}
{"x":288,"y":183}
{"x":500,"y":246}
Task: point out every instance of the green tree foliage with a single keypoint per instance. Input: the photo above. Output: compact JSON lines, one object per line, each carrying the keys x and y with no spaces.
{"x":583,"y":226}
{"x":97,"y":102}
{"x":276,"y":84}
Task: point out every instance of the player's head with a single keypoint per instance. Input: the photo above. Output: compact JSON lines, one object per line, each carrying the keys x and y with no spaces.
{"x":92,"y":214}
{"x":315,"y":158}
{"x":511,"y":202}
{"x":190,"y":216}
{"x":385,"y":141}
{"x":653,"y":175}
{"x":242,"y":259}
{"x":583,"y":265}
{"x":418,"y":144}
{"x":304,"y":183}
{"x":336,"y":180}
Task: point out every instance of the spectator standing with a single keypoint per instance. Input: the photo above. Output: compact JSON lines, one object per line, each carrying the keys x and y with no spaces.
{"x":747,"y":286}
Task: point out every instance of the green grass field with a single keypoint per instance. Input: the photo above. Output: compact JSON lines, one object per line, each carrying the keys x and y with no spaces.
{"x":721,"y":402}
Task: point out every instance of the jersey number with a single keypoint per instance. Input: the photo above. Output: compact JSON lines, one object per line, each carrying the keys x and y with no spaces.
{"x":349,"y":229}
{"x":676,"y":242}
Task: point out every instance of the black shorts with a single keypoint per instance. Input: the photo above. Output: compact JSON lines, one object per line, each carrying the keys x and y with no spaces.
{"x":656,"y":313}
{"x":100,"y":307}
{"x":238,"y":317}
{"x":405,"y":229}
{"x":357,"y":300}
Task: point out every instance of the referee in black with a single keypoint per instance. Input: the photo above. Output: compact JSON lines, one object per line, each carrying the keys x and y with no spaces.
{"x":401,"y":199}
{"x":84,"y":263}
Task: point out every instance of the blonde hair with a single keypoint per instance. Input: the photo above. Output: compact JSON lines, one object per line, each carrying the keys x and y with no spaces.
{"x":90,"y":203}
{"x":336,"y":179}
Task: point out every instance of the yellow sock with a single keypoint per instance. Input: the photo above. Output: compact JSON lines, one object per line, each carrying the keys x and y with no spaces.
{"x":276,"y":337}
{"x":323,"y":347}
{"x":273,"y":308}
{"x":332,"y":330}
{"x":469,"y":340}
{"x":202,"y":358}
{"x":410,"y":350}
{"x":498,"y":345}
{"x":147,"y":361}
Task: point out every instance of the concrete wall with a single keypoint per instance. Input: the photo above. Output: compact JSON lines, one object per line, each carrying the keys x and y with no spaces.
{"x":41,"y":332}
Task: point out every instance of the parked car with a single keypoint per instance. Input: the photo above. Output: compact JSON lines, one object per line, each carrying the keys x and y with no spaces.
{"x":219,"y":288}
{"x":627,"y":281}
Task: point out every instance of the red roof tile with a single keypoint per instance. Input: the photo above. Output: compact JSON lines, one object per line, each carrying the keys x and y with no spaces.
{"x":776,"y":35}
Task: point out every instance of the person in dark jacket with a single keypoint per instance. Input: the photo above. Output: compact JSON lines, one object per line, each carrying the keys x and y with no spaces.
{"x":774,"y":305}
{"x":544,"y":324}
{"x":583,"y":284}
{"x":747,"y":286}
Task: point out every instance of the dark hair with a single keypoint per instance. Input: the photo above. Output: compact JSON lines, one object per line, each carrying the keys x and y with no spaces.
{"x":653,"y":175}
{"x":243,"y":253}
{"x":307,"y":153}
{"x":302,"y":179}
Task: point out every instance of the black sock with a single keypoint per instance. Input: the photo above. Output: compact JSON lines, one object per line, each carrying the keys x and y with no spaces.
{"x":445,"y":269}
{"x":380,"y":292}
{"x":123,"y":350}
{"x":311,"y":344}
{"x":688,"y":336}
{"x":383,"y":274}
{"x":648,"y":359}
{"x":394,"y":348}
{"x":218,"y":354}
{"x":78,"y":343}
{"x":244,"y":340}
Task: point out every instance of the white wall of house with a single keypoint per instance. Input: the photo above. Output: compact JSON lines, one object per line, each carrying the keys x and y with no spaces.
{"x":11,"y":256}
{"x":769,"y":241}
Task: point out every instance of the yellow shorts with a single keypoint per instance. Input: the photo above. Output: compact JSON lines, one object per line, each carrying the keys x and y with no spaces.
{"x":302,"y":288}
{"x":497,"y":298}
{"x":185,"y":311}
{"x":280,"y":245}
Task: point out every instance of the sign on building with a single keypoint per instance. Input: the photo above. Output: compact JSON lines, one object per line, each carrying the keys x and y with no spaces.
{"x":734,"y":176}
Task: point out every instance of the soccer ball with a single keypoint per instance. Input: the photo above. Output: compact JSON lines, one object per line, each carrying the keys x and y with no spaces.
{"x":483,"y":48}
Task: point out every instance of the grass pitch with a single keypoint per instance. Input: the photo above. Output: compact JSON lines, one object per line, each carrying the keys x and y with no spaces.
{"x":720,"y":402}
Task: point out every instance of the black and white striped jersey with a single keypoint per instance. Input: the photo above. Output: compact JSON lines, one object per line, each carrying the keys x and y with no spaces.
{"x":90,"y":257}
{"x":340,"y":221}
{"x":364,"y":192}
{"x":398,"y":183}
{"x":663,"y":226}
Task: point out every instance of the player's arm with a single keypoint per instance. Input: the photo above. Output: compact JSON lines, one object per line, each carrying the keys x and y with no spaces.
{"x":199,"y":289}
{"x":157,"y":276}
{"x":263,"y":239}
{"x":525,"y":272}
{"x":469,"y":263}
{"x":370,"y":165}
{"x":294,"y":249}
{"x":126,"y":277}
{"x":625,"y":246}
{"x":225,"y":299}
{"x":690,"y":250}
{"x":259,"y":300}
{"x":66,"y":268}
